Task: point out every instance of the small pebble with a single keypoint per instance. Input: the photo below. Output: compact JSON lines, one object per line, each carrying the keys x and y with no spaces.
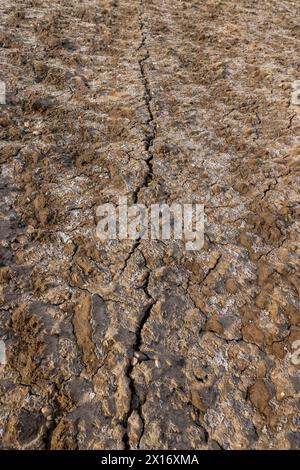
{"x":140,"y":356}
{"x":157,"y":363}
{"x":47,"y":411}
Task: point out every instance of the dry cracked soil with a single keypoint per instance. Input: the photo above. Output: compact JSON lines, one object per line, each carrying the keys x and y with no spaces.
{"x":141,"y":344}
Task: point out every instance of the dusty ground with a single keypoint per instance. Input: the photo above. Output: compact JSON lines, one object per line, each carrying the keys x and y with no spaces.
{"x":143,"y":344}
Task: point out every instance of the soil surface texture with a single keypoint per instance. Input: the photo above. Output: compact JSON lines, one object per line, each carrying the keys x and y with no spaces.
{"x":141,"y":344}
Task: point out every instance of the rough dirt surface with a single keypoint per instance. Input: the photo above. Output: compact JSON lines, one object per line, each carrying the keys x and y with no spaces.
{"x":144,"y":344}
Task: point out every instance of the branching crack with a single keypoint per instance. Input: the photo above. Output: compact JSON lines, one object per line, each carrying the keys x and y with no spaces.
{"x":148,"y":140}
{"x":135,"y":403}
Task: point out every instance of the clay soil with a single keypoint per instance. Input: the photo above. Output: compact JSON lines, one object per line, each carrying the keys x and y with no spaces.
{"x":142,"y":344}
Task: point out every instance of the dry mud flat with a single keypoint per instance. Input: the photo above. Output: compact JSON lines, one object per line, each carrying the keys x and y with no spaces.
{"x":144,"y":344}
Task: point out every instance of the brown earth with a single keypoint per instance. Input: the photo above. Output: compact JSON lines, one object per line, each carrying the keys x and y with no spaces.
{"x":144,"y":344}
